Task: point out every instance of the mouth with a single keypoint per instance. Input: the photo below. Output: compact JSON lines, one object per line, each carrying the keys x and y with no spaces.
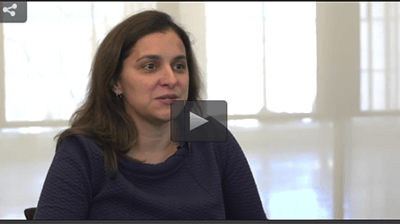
{"x":168,"y":96}
{"x":166,"y":101}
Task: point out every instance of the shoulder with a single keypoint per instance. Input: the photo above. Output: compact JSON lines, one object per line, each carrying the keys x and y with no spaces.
{"x":76,"y":141}
{"x":81,"y":153}
{"x":79,"y":146}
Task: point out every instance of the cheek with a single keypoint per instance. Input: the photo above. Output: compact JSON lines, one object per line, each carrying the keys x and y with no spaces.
{"x":149,"y":88}
{"x":184,"y":81}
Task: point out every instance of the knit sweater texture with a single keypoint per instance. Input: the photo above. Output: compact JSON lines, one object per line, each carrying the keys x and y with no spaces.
{"x":201,"y":181}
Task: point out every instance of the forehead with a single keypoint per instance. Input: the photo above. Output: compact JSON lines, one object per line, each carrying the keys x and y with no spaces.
{"x":167,"y":43}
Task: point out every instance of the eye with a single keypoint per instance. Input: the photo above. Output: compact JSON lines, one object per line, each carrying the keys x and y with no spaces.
{"x":152,"y":66}
{"x":182,"y":66}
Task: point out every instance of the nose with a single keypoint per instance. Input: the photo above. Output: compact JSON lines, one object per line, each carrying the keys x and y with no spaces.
{"x":168,"y":76}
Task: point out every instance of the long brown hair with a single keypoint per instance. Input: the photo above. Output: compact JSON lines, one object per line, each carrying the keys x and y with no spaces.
{"x":102,"y":117}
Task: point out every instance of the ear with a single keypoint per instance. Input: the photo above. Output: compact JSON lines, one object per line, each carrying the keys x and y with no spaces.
{"x":117,"y":88}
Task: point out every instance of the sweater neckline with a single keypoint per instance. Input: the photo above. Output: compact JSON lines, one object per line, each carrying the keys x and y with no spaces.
{"x":168,"y":165}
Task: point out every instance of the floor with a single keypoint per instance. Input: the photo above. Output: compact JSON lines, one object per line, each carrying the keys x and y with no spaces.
{"x":292,"y":163}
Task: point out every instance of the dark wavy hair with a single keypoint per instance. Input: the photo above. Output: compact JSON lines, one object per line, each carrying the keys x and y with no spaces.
{"x":102,"y":117}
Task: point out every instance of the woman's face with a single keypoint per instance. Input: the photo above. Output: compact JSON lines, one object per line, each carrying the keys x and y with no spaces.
{"x":156,"y":66}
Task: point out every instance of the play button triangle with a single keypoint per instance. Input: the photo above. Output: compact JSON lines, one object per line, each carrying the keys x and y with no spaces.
{"x":196,"y":120}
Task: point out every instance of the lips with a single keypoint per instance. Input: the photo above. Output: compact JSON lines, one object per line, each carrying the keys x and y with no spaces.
{"x":165,"y":101}
{"x":168,"y":96}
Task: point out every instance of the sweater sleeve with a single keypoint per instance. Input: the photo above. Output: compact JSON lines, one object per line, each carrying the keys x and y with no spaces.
{"x":66,"y":191}
{"x":241,"y":197}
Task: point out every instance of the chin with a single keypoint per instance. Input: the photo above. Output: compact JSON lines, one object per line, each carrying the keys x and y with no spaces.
{"x":165,"y":117}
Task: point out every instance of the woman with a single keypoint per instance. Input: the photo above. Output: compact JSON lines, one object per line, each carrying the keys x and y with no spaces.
{"x":117,"y":160}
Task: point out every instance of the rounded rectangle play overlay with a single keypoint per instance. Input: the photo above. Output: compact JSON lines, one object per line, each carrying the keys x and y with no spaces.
{"x":204,"y":120}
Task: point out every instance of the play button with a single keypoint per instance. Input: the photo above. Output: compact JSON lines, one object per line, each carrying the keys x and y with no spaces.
{"x":198,"y":120}
{"x":195,"y":121}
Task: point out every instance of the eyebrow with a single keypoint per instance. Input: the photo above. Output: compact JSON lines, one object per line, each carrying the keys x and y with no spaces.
{"x":157,"y":57}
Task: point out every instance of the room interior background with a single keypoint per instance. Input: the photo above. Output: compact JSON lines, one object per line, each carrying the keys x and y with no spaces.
{"x":312,"y":92}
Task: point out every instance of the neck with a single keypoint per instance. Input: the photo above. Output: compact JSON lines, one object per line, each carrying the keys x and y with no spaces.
{"x":154,"y":138}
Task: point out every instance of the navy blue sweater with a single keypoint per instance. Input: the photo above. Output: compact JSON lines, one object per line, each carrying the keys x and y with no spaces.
{"x":211,"y":180}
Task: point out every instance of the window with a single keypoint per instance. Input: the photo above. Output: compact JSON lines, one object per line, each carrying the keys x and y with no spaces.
{"x":47,"y":68}
{"x":252,"y":62}
{"x":261,"y":59}
{"x":379,"y":43}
